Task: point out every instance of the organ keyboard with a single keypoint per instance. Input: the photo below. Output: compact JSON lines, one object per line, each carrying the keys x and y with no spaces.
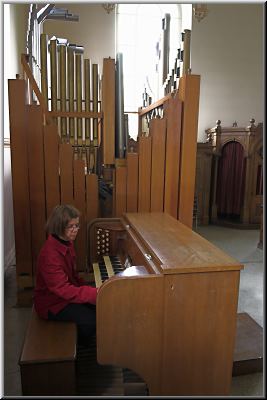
{"x":106,"y":268}
{"x":171,"y":315}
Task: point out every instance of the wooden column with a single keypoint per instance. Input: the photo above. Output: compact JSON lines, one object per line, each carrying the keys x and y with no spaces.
{"x":36,"y":179}
{"x":51,"y":160}
{"x":158,"y":133}
{"x":79,"y":202}
{"x":91,"y":197}
{"x":189,"y":94}
{"x":203,"y":181}
{"x":173,"y":108}
{"x":66,"y":173}
{"x":120,"y":190}
{"x":132,"y":182}
{"x":144,"y":174}
{"x":20,"y":182}
{"x":215,"y":162}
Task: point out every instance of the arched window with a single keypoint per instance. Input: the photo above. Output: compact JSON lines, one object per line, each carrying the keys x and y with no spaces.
{"x":138,"y":37}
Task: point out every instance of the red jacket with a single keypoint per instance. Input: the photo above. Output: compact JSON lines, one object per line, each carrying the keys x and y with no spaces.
{"x":57,"y":282}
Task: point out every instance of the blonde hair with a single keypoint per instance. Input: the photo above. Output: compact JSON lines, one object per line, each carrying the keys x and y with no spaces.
{"x":60,"y":217}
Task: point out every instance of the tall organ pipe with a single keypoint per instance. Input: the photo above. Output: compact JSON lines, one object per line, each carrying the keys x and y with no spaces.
{"x":120,"y":137}
{"x":63,"y":88}
{"x":87,"y":91}
{"x":44,"y":74}
{"x":95,"y":102}
{"x":78,"y":65}
{"x":53,"y":60}
{"x":71,"y":91}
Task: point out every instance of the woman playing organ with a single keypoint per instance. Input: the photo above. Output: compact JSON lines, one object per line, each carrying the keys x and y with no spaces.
{"x":60,"y":294}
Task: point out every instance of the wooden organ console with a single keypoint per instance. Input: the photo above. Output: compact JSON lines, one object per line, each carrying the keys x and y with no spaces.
{"x":170,"y":314}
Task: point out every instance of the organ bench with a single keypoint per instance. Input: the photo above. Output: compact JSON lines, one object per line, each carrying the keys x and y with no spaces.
{"x":47,"y":360}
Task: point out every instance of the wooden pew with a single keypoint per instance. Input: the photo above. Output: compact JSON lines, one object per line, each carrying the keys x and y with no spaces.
{"x":47,"y":360}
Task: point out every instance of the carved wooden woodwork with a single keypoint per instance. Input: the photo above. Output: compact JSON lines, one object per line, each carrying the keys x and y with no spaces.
{"x":208,"y":155}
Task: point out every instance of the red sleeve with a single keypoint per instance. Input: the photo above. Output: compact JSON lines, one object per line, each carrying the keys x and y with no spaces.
{"x":79,"y":279}
{"x":57,"y":282}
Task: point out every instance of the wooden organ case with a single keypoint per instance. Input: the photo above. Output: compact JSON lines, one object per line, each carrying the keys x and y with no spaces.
{"x":64,"y":163}
{"x":170,"y":316}
{"x":209,"y":154}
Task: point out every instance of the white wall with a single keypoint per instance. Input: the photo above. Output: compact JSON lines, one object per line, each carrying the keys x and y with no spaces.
{"x":227,"y":51}
{"x":95,"y":30}
{"x":15,"y":28}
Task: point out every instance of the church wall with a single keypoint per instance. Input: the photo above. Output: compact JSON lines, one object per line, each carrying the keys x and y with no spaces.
{"x":227,"y":52}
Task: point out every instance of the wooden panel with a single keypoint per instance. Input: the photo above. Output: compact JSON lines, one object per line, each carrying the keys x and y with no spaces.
{"x":190,"y":97}
{"x":177,"y":248}
{"x":120,"y":190}
{"x":50,"y":379}
{"x":132,"y":182}
{"x":66,"y":173}
{"x":51,"y":159}
{"x":200,"y":362}
{"x":20,"y":183}
{"x":108,"y":108}
{"x":158,"y":134}
{"x":144,"y":174}
{"x":36,"y":179}
{"x":113,"y":196}
{"x":79,"y":202}
{"x":173,"y":143}
{"x":91,"y":197}
{"x":129,"y":327}
{"x":203,"y":181}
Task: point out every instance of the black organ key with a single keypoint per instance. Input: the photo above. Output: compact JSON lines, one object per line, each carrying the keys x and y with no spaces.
{"x":106,"y":268}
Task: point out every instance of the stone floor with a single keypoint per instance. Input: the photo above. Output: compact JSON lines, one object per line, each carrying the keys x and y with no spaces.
{"x":241,"y":244}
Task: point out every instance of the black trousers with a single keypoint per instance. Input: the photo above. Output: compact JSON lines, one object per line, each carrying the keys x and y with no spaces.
{"x":84,"y":315}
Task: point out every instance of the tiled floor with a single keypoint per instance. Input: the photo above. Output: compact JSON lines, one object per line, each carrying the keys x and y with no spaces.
{"x":241,"y":244}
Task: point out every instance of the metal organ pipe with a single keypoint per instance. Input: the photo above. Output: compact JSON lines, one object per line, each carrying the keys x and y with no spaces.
{"x":120,"y":136}
{"x":87,"y":93}
{"x":71,"y":90}
{"x":95,"y":102}
{"x":63,"y":88}
{"x":44,"y":86}
{"x":78,"y":69}
{"x":53,"y":60}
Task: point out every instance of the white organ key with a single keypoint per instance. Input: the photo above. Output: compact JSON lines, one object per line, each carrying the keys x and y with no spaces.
{"x":97,"y":274}
{"x":108,"y":266}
